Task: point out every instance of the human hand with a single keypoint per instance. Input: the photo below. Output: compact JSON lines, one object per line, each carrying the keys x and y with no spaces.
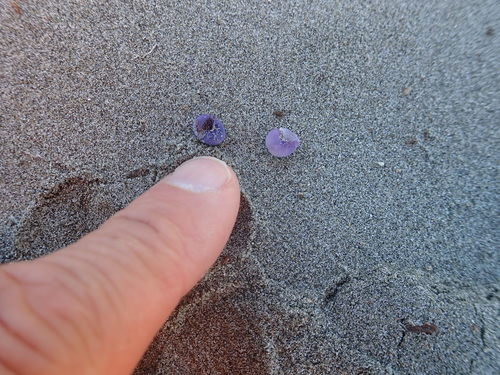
{"x":94,"y":306}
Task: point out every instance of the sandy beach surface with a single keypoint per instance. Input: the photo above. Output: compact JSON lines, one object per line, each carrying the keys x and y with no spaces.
{"x":373,"y":249}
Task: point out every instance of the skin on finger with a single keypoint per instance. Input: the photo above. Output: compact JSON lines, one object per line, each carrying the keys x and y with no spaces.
{"x":109,"y":293}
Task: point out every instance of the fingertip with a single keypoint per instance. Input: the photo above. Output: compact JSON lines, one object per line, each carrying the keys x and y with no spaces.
{"x":201,"y":174}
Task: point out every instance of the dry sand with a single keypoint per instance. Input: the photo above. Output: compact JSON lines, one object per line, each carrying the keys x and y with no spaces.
{"x":385,"y":219}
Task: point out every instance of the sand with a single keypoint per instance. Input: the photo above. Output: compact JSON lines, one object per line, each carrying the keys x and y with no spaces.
{"x":374,"y":249}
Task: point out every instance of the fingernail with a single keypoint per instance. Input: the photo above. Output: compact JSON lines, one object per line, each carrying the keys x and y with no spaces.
{"x":200,"y":174}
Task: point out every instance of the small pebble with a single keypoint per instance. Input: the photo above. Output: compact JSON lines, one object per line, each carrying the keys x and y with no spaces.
{"x":282,"y":142}
{"x":380,"y":163}
{"x":209,"y":130}
{"x":406,"y":91}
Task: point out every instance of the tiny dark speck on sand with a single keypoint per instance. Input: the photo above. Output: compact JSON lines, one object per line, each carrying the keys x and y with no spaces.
{"x":411,"y":141}
{"x":140,"y":172}
{"x":490,"y":31}
{"x":279,"y":114}
{"x":426,"y":328}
